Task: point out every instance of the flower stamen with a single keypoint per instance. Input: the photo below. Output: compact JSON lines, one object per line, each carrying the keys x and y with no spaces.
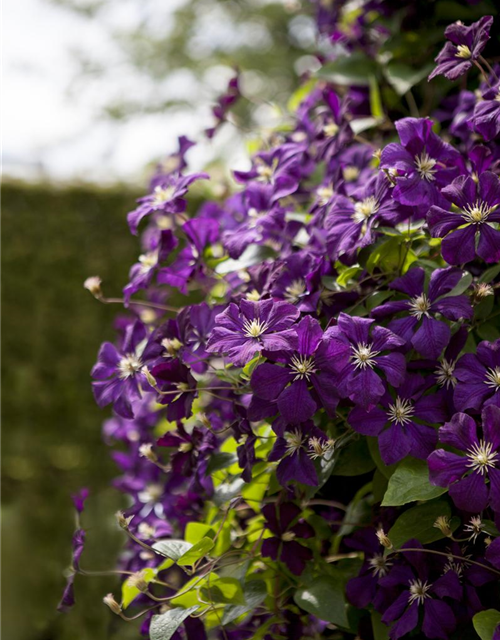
{"x":401,"y":411}
{"x":425,"y":166}
{"x":419,"y":591}
{"x":254,"y":328}
{"x":363,"y":356}
{"x":481,"y":456}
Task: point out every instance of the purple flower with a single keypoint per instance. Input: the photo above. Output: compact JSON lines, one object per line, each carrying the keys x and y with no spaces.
{"x":141,"y":274}
{"x":399,"y":423}
{"x":283,"y":545}
{"x":254,"y":326}
{"x":418,"y":326}
{"x":68,"y":597}
{"x":167,"y":197}
{"x":421,"y":164}
{"x":118,"y":373}
{"x":296,"y":448}
{"x":478,"y":377}
{"x":486,"y":116}
{"x":300,"y":281}
{"x":307,"y":379}
{"x":177,"y":386}
{"x":224,"y":103}
{"x":477,"y":204}
{"x":464,"y":48}
{"x":79,"y":499}
{"x":466,"y":475}
{"x":359,"y":353}
{"x":418,"y":593}
{"x":189,"y":446}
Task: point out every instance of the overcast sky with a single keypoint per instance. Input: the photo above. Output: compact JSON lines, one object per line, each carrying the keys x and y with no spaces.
{"x":52,"y":132}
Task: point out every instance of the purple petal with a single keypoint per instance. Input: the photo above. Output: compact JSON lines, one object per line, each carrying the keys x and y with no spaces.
{"x":439,"y":620}
{"x":491,"y":425}
{"x":369,"y":423}
{"x":394,"y":367}
{"x":412,"y":283}
{"x":454,"y":307}
{"x":366,"y":388}
{"x":459,"y":246}
{"x":470,"y":494}
{"x":394,"y":444}
{"x":431,"y":337}
{"x":269,"y":380}
{"x":460,"y":432}
{"x":295,"y":403}
{"x":489,"y":244}
{"x":445,"y":467}
{"x":310,"y":334}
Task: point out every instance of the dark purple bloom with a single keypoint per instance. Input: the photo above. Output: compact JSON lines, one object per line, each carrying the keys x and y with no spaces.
{"x":141,"y":274}
{"x":466,"y":475}
{"x":399,"y":423}
{"x":486,"y":116}
{"x":224,"y":103}
{"x":177,"y":387}
{"x":421,"y":164}
{"x":477,"y":204}
{"x":167,"y":197}
{"x":300,"y":281}
{"x":478,"y":377}
{"x":418,"y":592}
{"x":79,"y":499}
{"x":307,"y":379}
{"x":68,"y":597}
{"x":189,"y":447}
{"x":418,"y":326}
{"x":493,"y":553}
{"x":118,"y":373}
{"x":283,"y":545}
{"x":465,"y":46}
{"x":254,"y":326}
{"x":351,"y":222}
{"x":296,"y":448}
{"x":360,"y":350}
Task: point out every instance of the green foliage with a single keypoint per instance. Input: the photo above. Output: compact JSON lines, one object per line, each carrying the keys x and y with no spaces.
{"x":166,"y":624}
{"x":409,"y":483}
{"x":418,"y":522}
{"x":485,"y":623}
{"x":323,"y":597}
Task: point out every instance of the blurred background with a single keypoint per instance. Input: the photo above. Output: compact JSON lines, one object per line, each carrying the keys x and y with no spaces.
{"x":95,"y":92}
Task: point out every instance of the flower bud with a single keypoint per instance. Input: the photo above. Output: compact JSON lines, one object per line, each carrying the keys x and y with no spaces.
{"x":110,"y":601}
{"x":93,"y":284}
{"x":138,"y":581}
{"x":149,"y":377}
{"x":443,"y":524}
{"x":146,"y":451}
{"x":383,"y":539}
{"x":122,"y":520}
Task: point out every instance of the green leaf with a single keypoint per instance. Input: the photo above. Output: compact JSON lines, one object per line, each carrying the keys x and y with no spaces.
{"x":376,"y":299}
{"x":375,"y":100}
{"x":462,"y":285}
{"x":248,"y":369}
{"x":380,"y":630}
{"x":254,"y":592}
{"x":195,"y":531}
{"x":301,"y":94}
{"x":402,"y":77}
{"x":324,"y":598}
{"x":166,"y":624}
{"x":227,"y":491}
{"x":490,"y":274}
{"x":418,"y":522}
{"x":173,"y":549}
{"x":347,"y":70}
{"x":129,"y":593}
{"x":196,"y":552}
{"x":488,"y":331}
{"x":410,"y":482}
{"x":354,"y":459}
{"x":485,"y":623}
{"x":348,"y":274}
{"x":385,"y":470}
{"x":223,"y":590}
{"x":220,"y":461}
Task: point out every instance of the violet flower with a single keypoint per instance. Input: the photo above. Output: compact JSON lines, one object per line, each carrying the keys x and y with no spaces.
{"x":178,"y":388}
{"x":478,"y":377}
{"x":359,"y":354}
{"x":486,"y":116}
{"x":419,"y":326}
{"x":476,"y":218}
{"x":466,"y":475}
{"x":167,"y":197}
{"x":283,"y":545}
{"x":254,"y":326}
{"x":399,"y":423}
{"x":224,"y":103}
{"x":307,"y":379}
{"x":421,"y":164}
{"x":463,"y":49}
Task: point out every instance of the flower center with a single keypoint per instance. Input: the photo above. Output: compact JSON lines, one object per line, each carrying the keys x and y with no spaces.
{"x":475,"y":527}
{"x":152,"y":493}
{"x":265,"y":172}
{"x":171,"y":345}
{"x":481,"y":456}
{"x":162,"y":195}
{"x":331,"y":129}
{"x":363,"y":356}
{"x":476,"y":213}
{"x":444,"y":374}
{"x":288,"y":536}
{"x":148,"y":261}
{"x":493,"y":378}
{"x":419,"y":306}
{"x":379,"y":565}
{"x":129,"y":365}
{"x":254,"y":328}
{"x":425,"y":166}
{"x":295,"y":290}
{"x":364,"y":209}
{"x":350,"y":173}
{"x":463,"y":51}
{"x":418,"y":591}
{"x":302,"y":367}
{"x":401,"y":411}
{"x":294,"y":441}
{"x":324,"y":194}
{"x":318,"y":448}
{"x":185,"y":447}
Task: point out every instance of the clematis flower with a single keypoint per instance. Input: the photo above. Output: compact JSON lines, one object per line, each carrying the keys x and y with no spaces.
{"x":478,"y":377}
{"x":167,"y":197}
{"x":177,"y":387}
{"x":419,"y":326}
{"x":118,"y":373}
{"x":283,"y":545}
{"x":475,"y":219}
{"x":189,"y":448}
{"x":224,"y":103}
{"x":466,"y":475}
{"x":300,"y":281}
{"x":422,"y":164}
{"x":360,"y":351}
{"x":254,"y":326}
{"x":400,"y":422}
{"x":486,"y":116}
{"x":296,"y":449}
{"x":306,"y":381}
{"x":463,"y":49}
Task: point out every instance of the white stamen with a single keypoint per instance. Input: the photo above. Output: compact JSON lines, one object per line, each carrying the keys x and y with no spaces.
{"x":493,"y":378}
{"x":475,"y":527}
{"x":295,"y":291}
{"x":482,"y":456}
{"x":463,"y":51}
{"x":294,"y":441}
{"x":129,"y":365}
{"x":419,"y":306}
{"x":444,"y":374}
{"x":476,"y":213}
{"x":401,"y":411}
{"x":302,"y":367}
{"x":379,"y":565}
{"x":254,"y":328}
{"x":363,"y":356}
{"x":418,"y":591}
{"x":425,"y":166}
{"x":162,"y":195}
{"x":364,"y":209}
